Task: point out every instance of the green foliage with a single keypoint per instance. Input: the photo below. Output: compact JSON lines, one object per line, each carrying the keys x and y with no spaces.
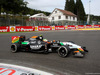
{"x":70,"y":5}
{"x":76,"y":8}
{"x":67,"y":5}
{"x":80,"y":11}
{"x":95,"y":18}
{"x":13,"y":6}
{"x":18,"y":7}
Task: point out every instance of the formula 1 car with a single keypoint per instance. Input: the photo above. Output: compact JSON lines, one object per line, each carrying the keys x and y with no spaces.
{"x":39,"y":44}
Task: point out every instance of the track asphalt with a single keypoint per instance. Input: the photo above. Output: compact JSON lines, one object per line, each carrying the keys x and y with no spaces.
{"x":51,"y":62}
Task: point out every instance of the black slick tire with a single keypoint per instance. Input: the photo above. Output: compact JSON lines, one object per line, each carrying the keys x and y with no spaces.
{"x":63,"y":51}
{"x":15,"y":47}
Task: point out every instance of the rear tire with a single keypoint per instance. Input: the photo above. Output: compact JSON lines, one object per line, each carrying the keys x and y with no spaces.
{"x":15,"y":48}
{"x":63,"y":51}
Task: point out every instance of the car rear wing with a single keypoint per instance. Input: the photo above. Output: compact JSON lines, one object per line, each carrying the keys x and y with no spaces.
{"x":15,"y":39}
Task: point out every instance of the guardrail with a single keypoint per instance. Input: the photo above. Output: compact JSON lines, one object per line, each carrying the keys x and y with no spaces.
{"x":44,"y":28}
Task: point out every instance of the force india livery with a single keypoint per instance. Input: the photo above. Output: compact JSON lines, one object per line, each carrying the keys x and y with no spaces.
{"x":39,"y":44}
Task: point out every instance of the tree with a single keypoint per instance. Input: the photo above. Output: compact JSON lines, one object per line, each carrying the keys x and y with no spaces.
{"x":2,"y":4}
{"x":12,"y":5}
{"x":18,"y":7}
{"x":67,"y":5}
{"x":79,"y":10}
{"x":70,"y":5}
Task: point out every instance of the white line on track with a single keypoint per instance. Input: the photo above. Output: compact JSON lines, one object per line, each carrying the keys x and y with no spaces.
{"x":26,"y":69}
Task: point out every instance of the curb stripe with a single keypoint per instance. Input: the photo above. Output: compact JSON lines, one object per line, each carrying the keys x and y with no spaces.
{"x":26,"y":68}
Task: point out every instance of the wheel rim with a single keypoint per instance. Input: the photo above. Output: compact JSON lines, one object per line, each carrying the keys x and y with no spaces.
{"x":13,"y":48}
{"x":63,"y":52}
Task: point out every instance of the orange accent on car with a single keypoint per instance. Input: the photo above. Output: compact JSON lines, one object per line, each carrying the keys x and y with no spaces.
{"x":54,"y":41}
{"x":76,"y":51}
{"x":34,"y":36}
{"x":47,"y":42}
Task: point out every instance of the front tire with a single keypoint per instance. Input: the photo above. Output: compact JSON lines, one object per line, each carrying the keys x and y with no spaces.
{"x":63,"y":51}
{"x":15,"y":48}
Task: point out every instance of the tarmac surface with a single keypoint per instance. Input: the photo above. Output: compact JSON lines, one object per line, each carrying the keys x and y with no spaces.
{"x":51,"y":62}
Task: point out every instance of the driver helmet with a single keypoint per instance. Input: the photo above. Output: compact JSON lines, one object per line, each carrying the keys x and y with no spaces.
{"x":40,"y":37}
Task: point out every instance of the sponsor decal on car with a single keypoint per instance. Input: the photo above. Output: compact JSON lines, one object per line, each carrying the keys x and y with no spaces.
{"x":80,"y":49}
{"x":39,"y":42}
{"x":15,"y":39}
{"x":35,"y":46}
{"x":33,"y":42}
{"x":24,"y":43}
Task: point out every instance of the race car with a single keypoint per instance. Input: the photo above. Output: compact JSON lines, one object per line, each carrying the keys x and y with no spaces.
{"x":39,"y":44}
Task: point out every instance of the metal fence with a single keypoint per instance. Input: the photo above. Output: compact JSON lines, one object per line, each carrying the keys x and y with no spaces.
{"x":20,"y":21}
{"x":75,"y":23}
{"x":12,"y":21}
